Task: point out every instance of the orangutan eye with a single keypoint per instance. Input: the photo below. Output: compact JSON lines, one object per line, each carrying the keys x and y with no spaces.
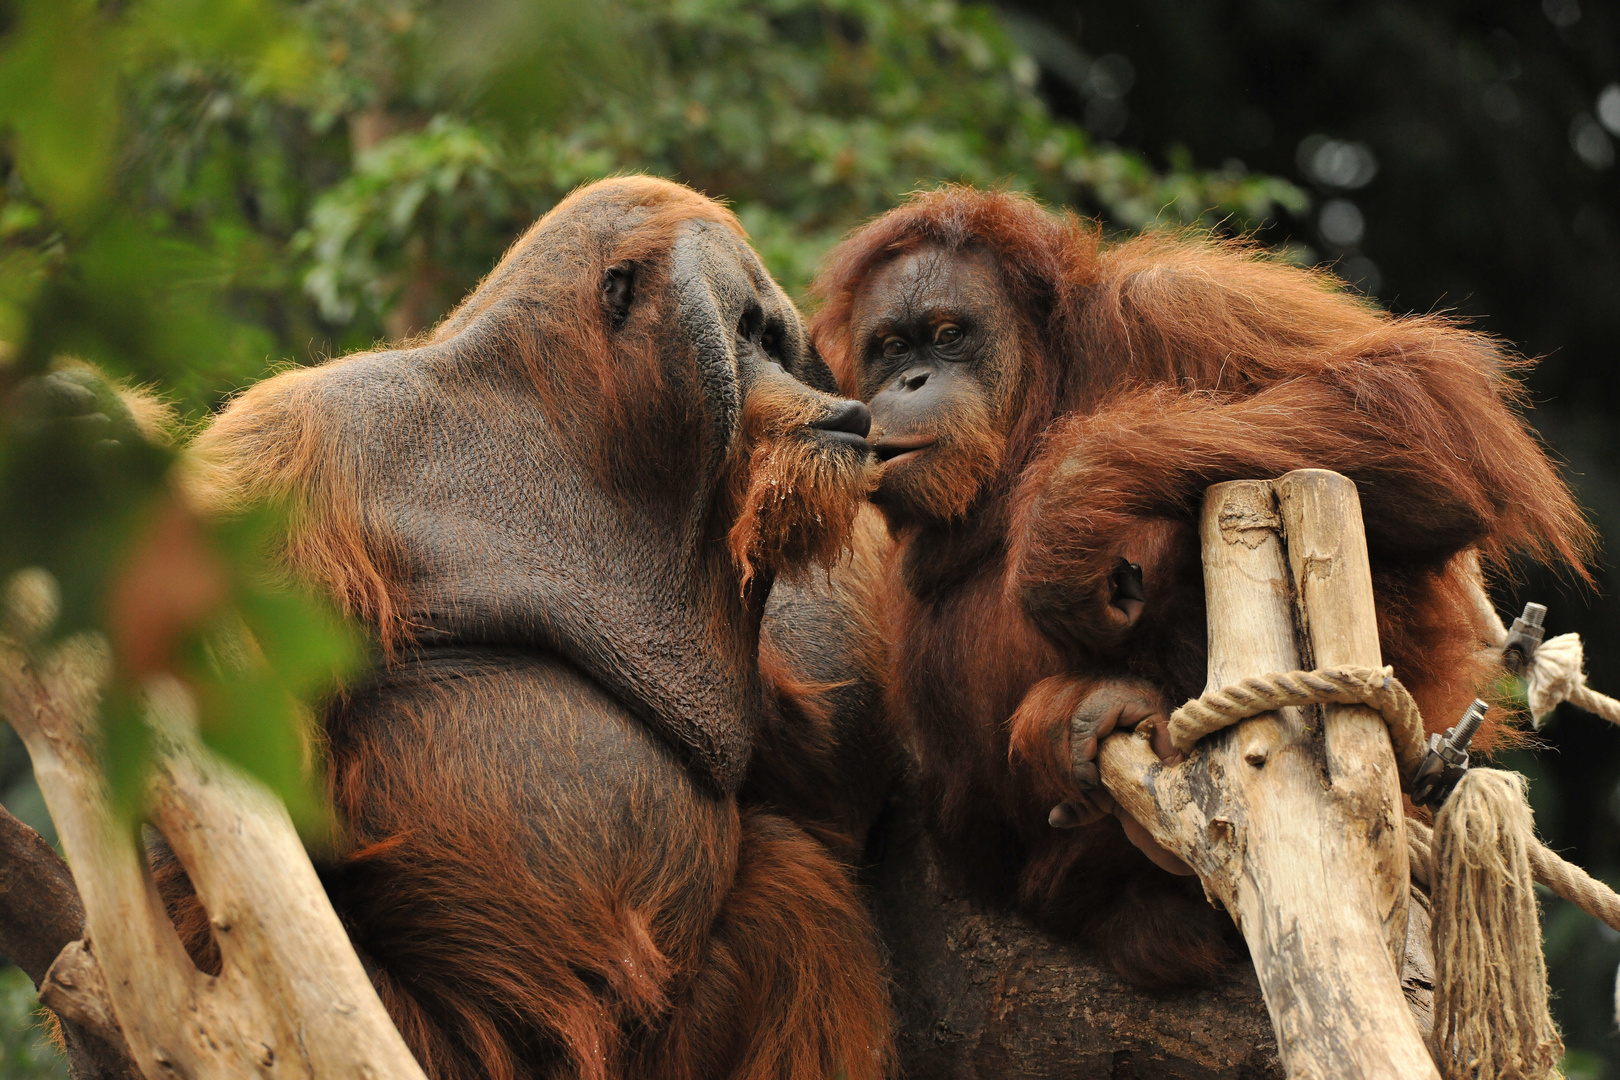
{"x":947,"y":334}
{"x":895,"y":347}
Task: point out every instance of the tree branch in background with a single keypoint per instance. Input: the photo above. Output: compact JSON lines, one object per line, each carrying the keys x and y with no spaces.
{"x":41,"y":919}
{"x":293,"y":995}
{"x":39,"y":907}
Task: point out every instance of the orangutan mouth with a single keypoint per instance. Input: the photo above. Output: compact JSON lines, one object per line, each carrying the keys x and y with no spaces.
{"x":901,"y":448}
{"x":846,"y":438}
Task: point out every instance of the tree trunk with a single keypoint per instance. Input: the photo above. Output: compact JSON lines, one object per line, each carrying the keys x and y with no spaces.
{"x":40,"y":915}
{"x":1293,"y":819}
{"x":292,"y":1001}
{"x":982,"y":994}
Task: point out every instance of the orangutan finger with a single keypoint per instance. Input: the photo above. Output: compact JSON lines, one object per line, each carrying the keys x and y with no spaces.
{"x":1091,"y":723}
{"x":1072,"y":815}
{"x":1159,"y":738}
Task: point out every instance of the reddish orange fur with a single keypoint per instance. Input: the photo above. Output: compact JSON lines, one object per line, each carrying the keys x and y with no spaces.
{"x":1148,"y":369}
{"x":968,"y":453}
{"x":763,"y":971}
{"x":540,"y":885}
{"x":1038,"y":734}
{"x":577,"y":370}
{"x":266,"y":450}
{"x":825,"y":755}
{"x":266,"y":447}
{"x":796,"y":506}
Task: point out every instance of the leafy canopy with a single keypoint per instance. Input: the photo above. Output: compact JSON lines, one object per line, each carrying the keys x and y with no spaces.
{"x":196,"y":189}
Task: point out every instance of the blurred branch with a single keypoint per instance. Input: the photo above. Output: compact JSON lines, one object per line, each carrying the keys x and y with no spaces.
{"x":41,"y":920}
{"x":294,"y":995}
{"x":40,"y":910}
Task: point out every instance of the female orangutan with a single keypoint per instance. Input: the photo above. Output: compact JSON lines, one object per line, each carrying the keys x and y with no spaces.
{"x":560,"y":513}
{"x":1049,"y":409}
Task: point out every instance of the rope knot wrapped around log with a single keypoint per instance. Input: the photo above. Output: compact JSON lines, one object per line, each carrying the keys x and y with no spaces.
{"x":1477,"y":863}
{"x":1376,"y":688}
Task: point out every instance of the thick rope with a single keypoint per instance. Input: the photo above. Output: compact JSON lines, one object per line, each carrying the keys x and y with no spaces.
{"x":1490,"y":1003}
{"x":1555,"y":673}
{"x":1555,"y":676}
{"x":1491,"y":1018}
{"x":1376,"y":688}
{"x":1550,"y":869}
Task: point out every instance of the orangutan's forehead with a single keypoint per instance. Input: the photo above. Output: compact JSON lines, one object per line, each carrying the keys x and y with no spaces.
{"x":707,"y":257}
{"x":928,"y":281}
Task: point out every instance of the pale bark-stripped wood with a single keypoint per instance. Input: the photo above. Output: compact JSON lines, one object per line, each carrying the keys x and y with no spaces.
{"x":1292,"y":819}
{"x":292,"y":1000}
{"x":1337,"y":619}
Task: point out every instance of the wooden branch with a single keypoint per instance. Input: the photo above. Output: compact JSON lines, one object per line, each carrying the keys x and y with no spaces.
{"x":1293,"y":819}
{"x":293,"y":1000}
{"x":76,"y":991}
{"x":41,"y":920}
{"x":984,"y":992}
{"x":40,"y":911}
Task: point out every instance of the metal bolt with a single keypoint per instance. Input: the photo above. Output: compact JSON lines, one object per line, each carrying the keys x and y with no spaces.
{"x":1460,"y":736}
{"x":1447,"y":758}
{"x":1524,"y":638}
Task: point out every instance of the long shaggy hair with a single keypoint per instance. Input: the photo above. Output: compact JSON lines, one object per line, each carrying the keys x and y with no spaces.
{"x":1162,"y":363}
{"x":1150,"y":368}
{"x":1038,"y":254}
{"x":796,"y":502}
{"x":544,"y":864}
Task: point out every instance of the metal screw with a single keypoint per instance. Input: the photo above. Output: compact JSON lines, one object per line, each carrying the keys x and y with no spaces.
{"x":1524,"y":638}
{"x":1460,"y":736}
{"x":1447,"y":758}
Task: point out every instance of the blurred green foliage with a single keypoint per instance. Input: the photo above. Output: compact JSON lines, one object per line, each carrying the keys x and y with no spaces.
{"x":26,"y":1052}
{"x":192,"y":191}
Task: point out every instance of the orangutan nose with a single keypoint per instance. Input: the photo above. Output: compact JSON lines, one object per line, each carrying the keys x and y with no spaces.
{"x":851,"y":417}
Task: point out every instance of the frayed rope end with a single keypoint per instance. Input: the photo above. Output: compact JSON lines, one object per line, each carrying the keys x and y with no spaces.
{"x":1491,"y":1018}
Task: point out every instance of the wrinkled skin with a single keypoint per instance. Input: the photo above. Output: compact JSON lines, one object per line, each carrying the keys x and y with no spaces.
{"x":940,"y":344}
{"x":561,"y":515}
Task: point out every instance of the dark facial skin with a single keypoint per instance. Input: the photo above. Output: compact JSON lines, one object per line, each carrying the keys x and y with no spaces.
{"x":936,"y":348}
{"x":935,"y":342}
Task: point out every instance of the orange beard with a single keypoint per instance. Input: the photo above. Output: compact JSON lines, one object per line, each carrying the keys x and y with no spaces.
{"x":797,"y":492}
{"x":942,"y":483}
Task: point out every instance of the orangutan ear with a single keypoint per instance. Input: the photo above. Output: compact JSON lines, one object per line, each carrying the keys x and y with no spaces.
{"x":618,"y":293}
{"x":1126,"y":591}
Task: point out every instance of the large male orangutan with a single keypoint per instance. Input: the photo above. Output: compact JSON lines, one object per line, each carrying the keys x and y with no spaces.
{"x":560,"y":514}
{"x":1050,"y":409}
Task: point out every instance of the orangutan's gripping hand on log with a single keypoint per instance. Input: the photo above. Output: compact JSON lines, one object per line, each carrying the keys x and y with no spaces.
{"x":1049,"y":410}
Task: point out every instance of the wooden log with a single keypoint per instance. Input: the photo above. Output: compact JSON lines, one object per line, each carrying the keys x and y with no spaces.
{"x":40,"y":918}
{"x":292,"y":1001}
{"x":1337,"y":626}
{"x":984,"y":992}
{"x":1293,"y":819}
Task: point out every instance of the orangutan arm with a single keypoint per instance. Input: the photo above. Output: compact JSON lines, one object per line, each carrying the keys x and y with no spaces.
{"x":1440,"y":461}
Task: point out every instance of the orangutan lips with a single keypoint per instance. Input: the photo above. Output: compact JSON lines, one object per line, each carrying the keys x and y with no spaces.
{"x":901,"y":447}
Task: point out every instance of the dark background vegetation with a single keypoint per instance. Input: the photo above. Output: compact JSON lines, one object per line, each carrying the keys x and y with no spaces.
{"x":193,"y":191}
